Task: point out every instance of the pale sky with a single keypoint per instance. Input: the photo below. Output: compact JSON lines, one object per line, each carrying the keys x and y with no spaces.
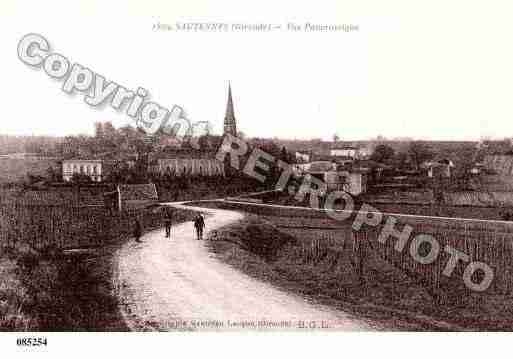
{"x":424,"y":69}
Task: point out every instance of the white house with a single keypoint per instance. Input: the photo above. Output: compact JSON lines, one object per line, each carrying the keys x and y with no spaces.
{"x":344,"y":151}
{"x":302,"y":157}
{"x":441,"y":168}
{"x":353,"y":182}
{"x":91,"y":168}
{"x":190,"y":167}
{"x":300,"y":168}
{"x":365,"y":152}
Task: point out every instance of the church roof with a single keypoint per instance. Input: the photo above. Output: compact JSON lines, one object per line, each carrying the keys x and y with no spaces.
{"x":321,"y":166}
{"x":229,"y":117}
{"x":229,"y":106}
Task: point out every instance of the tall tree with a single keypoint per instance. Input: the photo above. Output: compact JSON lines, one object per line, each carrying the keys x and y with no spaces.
{"x":285,"y":155}
{"x":98,"y":129}
{"x":420,"y":152}
{"x":108,"y":130}
{"x":383,"y":153}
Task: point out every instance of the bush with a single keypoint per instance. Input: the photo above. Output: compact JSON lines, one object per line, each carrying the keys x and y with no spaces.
{"x":13,"y":299}
{"x":255,"y":236}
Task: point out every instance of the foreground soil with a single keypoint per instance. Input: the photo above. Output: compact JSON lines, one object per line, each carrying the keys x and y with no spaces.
{"x":85,"y":295}
{"x":74,"y":293}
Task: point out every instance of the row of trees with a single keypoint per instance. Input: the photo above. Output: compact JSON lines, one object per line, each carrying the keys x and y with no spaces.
{"x":41,"y":145}
{"x":417,"y":153}
{"x":270,"y":147}
{"x":464,"y":158}
{"x":107,"y":140}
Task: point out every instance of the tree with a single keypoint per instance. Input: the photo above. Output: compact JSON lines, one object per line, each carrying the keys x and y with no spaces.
{"x":285,"y":156}
{"x":98,"y":129}
{"x":336,"y":137}
{"x":108,"y":130}
{"x":401,"y":160}
{"x":383,"y":153}
{"x":420,"y":152}
{"x":52,"y":175}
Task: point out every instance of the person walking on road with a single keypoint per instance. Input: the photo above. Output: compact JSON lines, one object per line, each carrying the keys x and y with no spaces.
{"x":199,"y":224}
{"x":138,"y":230}
{"x":168,"y":222}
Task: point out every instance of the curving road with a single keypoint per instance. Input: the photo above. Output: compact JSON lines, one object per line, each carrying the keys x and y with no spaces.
{"x":176,"y":284}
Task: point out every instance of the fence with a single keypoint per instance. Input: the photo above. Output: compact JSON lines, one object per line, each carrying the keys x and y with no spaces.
{"x":486,"y":241}
{"x":477,"y":240}
{"x":69,"y":226}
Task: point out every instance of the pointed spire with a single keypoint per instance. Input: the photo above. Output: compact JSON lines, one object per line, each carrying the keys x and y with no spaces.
{"x":229,"y":117}
{"x":229,"y":104}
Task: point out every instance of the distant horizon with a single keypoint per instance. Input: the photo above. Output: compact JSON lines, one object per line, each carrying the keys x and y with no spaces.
{"x":375,"y":139}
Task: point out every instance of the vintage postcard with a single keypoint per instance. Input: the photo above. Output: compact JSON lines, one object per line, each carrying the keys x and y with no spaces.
{"x":270,"y":167}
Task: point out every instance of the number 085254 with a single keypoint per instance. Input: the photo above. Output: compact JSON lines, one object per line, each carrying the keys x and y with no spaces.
{"x":32,"y":342}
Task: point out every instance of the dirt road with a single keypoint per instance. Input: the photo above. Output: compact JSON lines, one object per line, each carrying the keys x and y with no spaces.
{"x":176,"y":284}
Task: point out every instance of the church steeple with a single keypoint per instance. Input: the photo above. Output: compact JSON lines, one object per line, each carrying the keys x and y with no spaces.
{"x":230,"y":125}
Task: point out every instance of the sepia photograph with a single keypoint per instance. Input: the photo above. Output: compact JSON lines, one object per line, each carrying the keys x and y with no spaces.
{"x":251,"y":176}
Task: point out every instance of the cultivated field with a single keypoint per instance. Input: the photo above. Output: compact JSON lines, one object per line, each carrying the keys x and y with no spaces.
{"x":14,"y":170}
{"x":33,"y":220}
{"x":335,"y":264}
{"x":319,"y":265}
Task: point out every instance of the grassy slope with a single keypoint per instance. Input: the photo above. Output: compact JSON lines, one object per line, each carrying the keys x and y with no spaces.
{"x":39,"y":293}
{"x":49,"y":294}
{"x":13,"y":295}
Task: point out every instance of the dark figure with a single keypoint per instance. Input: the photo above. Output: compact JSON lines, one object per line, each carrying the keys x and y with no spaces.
{"x":167,"y":223}
{"x":199,"y":224}
{"x":138,"y":231}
